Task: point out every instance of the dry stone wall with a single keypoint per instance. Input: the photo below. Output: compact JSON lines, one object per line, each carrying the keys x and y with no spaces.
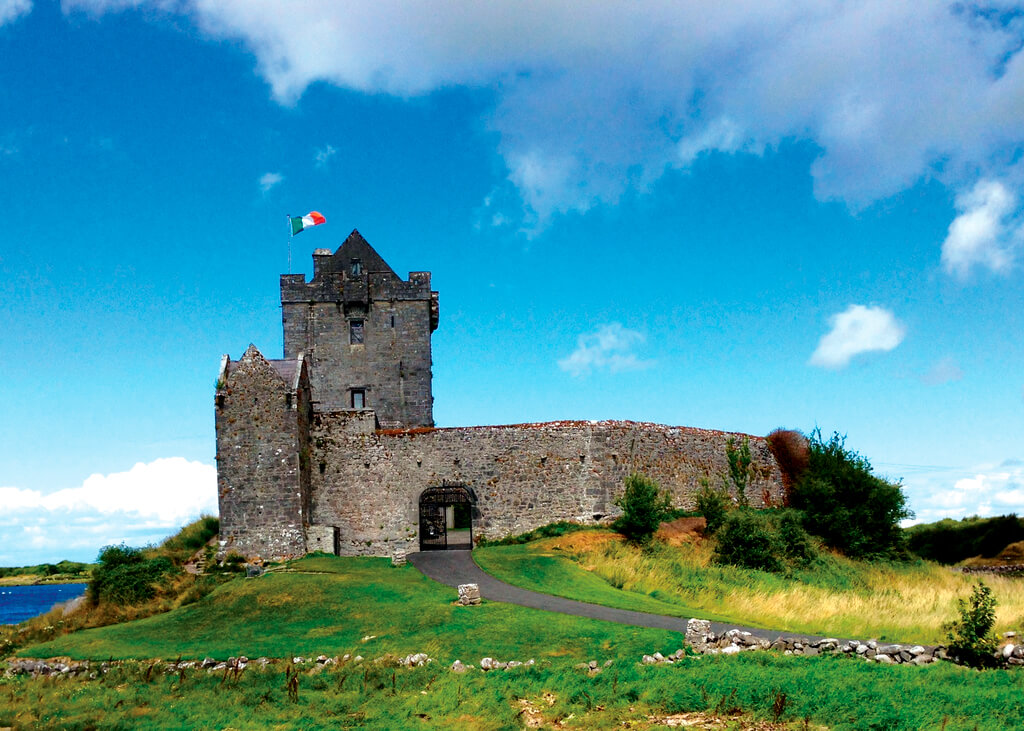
{"x":367,"y":482}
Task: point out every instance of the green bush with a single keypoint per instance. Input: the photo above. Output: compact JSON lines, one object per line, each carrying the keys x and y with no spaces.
{"x":644,"y":506}
{"x":713,"y":505}
{"x":970,"y":637}
{"x":797,"y":545}
{"x":747,"y":539}
{"x":768,"y":540}
{"x":125,"y":576}
{"x":847,"y":505}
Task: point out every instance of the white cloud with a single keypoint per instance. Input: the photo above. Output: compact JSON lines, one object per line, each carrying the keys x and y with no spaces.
{"x":323,"y":156}
{"x":982,"y":234}
{"x":269,"y":180}
{"x":594,"y":99}
{"x":144,"y":504}
{"x":857,"y":330}
{"x":944,"y":371}
{"x":949,"y":493}
{"x":11,"y":10}
{"x":610,"y":347}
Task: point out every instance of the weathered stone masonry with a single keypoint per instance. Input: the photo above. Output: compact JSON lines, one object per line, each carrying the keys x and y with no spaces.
{"x":304,"y":463}
{"x":367,"y":482}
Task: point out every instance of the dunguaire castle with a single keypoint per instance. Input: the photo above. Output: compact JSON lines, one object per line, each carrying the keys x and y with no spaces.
{"x":333,"y":447}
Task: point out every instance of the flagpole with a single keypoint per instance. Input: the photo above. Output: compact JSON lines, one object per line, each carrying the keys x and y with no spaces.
{"x":290,"y":236}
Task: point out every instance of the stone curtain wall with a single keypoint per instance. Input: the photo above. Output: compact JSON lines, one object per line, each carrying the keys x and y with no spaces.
{"x":368,"y":483}
{"x":261,"y":479}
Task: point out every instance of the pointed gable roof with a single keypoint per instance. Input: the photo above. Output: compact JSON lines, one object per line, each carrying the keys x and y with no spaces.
{"x":356,"y":247}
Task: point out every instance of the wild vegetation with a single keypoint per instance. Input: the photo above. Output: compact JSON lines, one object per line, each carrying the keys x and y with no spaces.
{"x":907,"y":601}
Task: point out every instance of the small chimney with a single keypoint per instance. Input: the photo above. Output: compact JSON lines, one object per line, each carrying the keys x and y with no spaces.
{"x":319,"y":257}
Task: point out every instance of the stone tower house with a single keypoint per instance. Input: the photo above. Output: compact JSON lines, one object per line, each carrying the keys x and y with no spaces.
{"x":365,"y":333}
{"x":333,"y":447}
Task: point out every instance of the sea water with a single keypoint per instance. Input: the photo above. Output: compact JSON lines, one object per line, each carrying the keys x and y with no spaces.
{"x":18,"y":603}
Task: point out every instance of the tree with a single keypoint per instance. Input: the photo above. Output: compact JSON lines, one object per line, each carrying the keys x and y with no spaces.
{"x":644,"y":506}
{"x":970,"y":637}
{"x":847,"y":505}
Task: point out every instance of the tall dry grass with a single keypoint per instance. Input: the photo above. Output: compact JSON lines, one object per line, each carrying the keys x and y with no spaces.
{"x":898,"y":602}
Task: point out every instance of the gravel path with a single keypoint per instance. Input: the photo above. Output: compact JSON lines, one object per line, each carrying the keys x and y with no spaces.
{"x":457,"y":567}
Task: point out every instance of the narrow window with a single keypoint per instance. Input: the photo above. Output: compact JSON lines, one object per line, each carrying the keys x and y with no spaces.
{"x":287,"y":400}
{"x":357,"y":267}
{"x":392,"y":321}
{"x":358,"y":398}
{"x":355,"y":332}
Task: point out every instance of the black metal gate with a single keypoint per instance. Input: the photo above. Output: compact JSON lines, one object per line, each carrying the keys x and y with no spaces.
{"x":446,"y":518}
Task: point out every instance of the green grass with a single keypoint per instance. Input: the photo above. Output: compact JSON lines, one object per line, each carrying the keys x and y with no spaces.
{"x":531,"y":566}
{"x":837,"y":692}
{"x":335,"y":603}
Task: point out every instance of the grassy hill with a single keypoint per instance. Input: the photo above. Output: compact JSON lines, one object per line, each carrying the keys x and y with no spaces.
{"x":324,"y":604}
{"x":330,"y":605}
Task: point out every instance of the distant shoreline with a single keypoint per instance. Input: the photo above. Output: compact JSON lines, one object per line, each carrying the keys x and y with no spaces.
{"x":39,"y":580}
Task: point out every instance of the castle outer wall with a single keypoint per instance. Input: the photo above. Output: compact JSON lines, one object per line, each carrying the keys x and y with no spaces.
{"x":367,"y":483}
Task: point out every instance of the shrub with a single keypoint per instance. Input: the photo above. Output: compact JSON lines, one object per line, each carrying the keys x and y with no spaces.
{"x":747,"y":539}
{"x":124,"y":576}
{"x":767,"y":540}
{"x":847,"y":505}
{"x":970,"y":637}
{"x":797,"y":545}
{"x":792,"y":452}
{"x":713,"y":505}
{"x":644,"y":506}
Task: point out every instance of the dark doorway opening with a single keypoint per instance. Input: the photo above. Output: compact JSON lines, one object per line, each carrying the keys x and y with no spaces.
{"x":446,"y":518}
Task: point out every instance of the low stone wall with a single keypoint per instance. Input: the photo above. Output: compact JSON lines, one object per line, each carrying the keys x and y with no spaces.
{"x":1005,"y":570}
{"x":367,"y":482}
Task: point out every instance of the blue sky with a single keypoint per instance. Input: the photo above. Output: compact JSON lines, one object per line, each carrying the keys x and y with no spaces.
{"x":781,"y":214}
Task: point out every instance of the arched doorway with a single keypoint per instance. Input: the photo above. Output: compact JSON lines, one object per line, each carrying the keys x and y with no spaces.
{"x":446,"y":518}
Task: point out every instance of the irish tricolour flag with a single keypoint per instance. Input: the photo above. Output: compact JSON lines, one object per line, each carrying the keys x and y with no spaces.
{"x":300,"y":223}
